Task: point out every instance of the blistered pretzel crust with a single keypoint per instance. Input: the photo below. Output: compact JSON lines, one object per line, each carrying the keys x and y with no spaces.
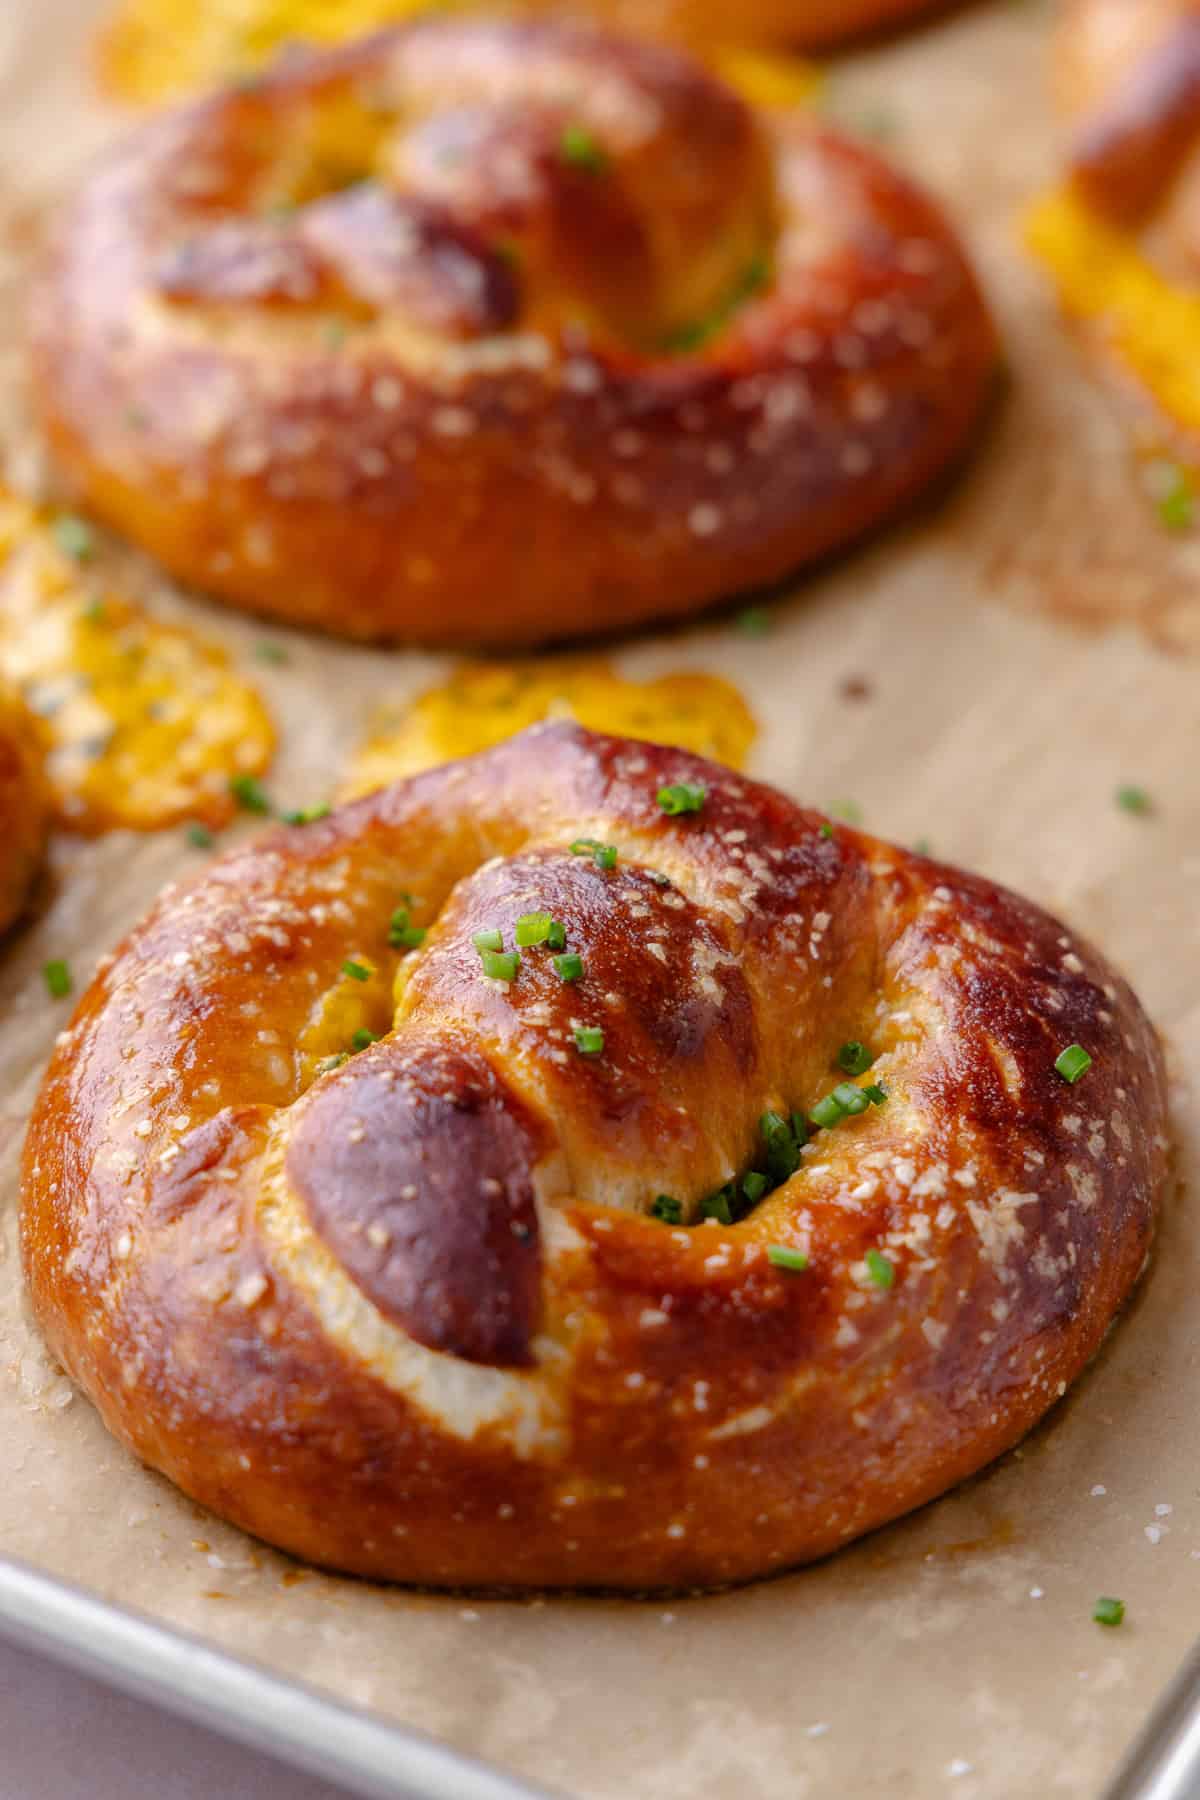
{"x":408,"y":1312}
{"x":481,"y":333}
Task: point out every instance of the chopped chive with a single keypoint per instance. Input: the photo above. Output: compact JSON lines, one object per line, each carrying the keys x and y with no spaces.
{"x":569,"y":967}
{"x":328,"y":1063}
{"x":682,"y":797}
{"x":57,"y":977}
{"x":753,"y":621}
{"x":717,"y":1207}
{"x":780,"y":1257}
{"x":875,"y":1094}
{"x":854,"y":1057}
{"x":1108,"y":1611}
{"x":589,"y":1040}
{"x":500,"y":965}
{"x":1073,"y":1062}
{"x":74,"y":537}
{"x":579,"y":149}
{"x":249,"y":793}
{"x":1134,"y":800}
{"x":826,"y":830}
{"x":754,"y":1186}
{"x":491,"y":939}
{"x":306,"y":815}
{"x":881,"y":1271}
{"x":783,"y":1154}
{"x":1177,"y":498}
{"x":799,"y":1125}
{"x":200,"y":837}
{"x":355,"y":970}
{"x":850,"y":1098}
{"x":603,"y":855}
{"x":362,"y":1038}
{"x":95,"y":612}
{"x":406,"y":937}
{"x":540,"y":928}
{"x":827,"y":1112}
{"x":669,"y":1210}
{"x":267,"y":652}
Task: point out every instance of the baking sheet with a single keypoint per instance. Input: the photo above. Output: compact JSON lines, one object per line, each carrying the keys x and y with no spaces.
{"x":1026,"y":649}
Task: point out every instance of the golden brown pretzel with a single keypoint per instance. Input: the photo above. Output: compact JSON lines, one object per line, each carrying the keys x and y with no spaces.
{"x":486,"y":333}
{"x":1130,"y":73}
{"x":24,"y":804}
{"x":405,"y":1311}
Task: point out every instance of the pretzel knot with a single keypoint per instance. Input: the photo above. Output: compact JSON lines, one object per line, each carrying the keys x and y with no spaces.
{"x":479,"y":332}
{"x":594,"y":1268}
{"x":24,"y":805}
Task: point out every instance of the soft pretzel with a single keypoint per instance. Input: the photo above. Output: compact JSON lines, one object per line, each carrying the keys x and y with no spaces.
{"x":24,"y":804}
{"x":442,"y":1309}
{"x":500,"y":333}
{"x":1130,"y":74}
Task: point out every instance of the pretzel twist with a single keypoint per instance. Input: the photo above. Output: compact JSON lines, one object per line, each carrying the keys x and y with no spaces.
{"x":24,"y":804}
{"x":410,"y":1313}
{"x":485,"y":333}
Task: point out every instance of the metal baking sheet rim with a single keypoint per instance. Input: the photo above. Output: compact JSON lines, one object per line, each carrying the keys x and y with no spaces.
{"x":305,"y":1729}
{"x":240,"y":1700}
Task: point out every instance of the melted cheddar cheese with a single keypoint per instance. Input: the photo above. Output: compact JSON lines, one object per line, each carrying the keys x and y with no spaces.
{"x":156,"y":50}
{"x":1151,"y":325}
{"x":146,"y":723}
{"x":483,"y":703}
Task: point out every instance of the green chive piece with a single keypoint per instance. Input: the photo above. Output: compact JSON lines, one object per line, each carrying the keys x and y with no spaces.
{"x":95,"y":612}
{"x":827,"y":1112}
{"x":826,"y":831}
{"x":850,"y":1098}
{"x":491,"y":939}
{"x":533,"y":928}
{"x":267,"y":652}
{"x":306,"y":815}
{"x":355,"y":970}
{"x":875,"y":1094}
{"x":753,"y":621}
{"x":799,"y":1125}
{"x":579,"y":149}
{"x":754,"y":1186}
{"x":669,"y":1210}
{"x":603,"y":855}
{"x":1177,"y":498}
{"x":569,"y":967}
{"x":249,"y":793}
{"x":1134,"y":800}
{"x":200,"y":837}
{"x":881,"y":1271}
{"x":589,"y":1040}
{"x":327,"y":1064}
{"x":1108,"y":1611}
{"x":854,"y":1057}
{"x":717,"y":1207}
{"x":1073,"y":1062}
{"x":500,"y":965}
{"x":682,"y":797}
{"x":783,"y":1153}
{"x":780,"y":1257}
{"x":403,"y":936}
{"x":57,"y":977}
{"x":556,"y":937}
{"x":74,"y":537}
{"x":362,"y":1038}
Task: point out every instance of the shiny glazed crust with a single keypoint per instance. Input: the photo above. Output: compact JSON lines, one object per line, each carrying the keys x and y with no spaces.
{"x":24,"y":804}
{"x":410,"y":1316}
{"x":593,"y":344}
{"x":1129,"y":73}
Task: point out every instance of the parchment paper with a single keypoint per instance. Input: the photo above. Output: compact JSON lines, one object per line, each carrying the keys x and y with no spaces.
{"x":953,"y":1653}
